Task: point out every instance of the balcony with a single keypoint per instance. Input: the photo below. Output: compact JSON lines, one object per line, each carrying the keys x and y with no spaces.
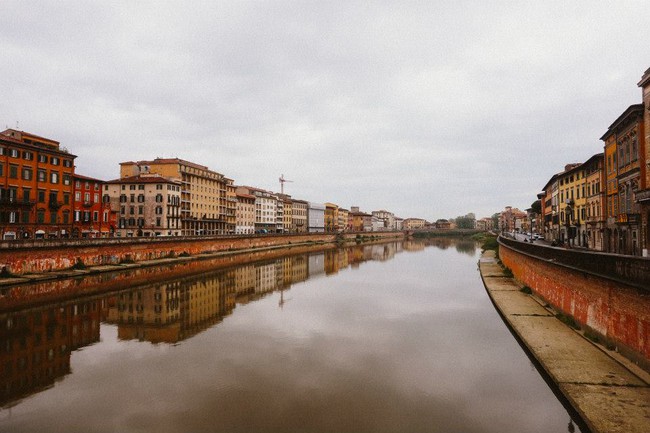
{"x":14,"y":203}
{"x":88,"y":203}
{"x":55,"y":205}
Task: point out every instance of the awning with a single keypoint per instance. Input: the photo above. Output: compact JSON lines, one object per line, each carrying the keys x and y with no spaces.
{"x":39,"y":232}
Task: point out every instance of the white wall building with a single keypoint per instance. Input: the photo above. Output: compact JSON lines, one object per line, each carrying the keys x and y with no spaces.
{"x":315,"y":217}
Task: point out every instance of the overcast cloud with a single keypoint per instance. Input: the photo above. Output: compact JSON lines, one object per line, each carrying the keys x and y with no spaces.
{"x":427,"y":109}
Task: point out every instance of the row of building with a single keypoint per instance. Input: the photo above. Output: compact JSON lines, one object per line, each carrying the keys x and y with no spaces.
{"x":604,"y":202}
{"x":41,"y":195}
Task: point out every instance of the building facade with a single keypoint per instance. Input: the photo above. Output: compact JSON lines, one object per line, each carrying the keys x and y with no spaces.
{"x":595,"y":179}
{"x":147,"y":205}
{"x":315,"y":217}
{"x":245,"y":214}
{"x":298,"y":216}
{"x":205,"y":205}
{"x":623,"y":140}
{"x":643,"y":194}
{"x":36,"y":186}
{"x":91,"y":214}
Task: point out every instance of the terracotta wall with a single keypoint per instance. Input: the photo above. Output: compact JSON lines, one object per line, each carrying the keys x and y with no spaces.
{"x":619,"y":313}
{"x":19,"y":259}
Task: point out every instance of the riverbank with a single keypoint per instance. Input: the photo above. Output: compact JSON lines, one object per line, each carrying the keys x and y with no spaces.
{"x":254,"y":252}
{"x":18,"y":258}
{"x":608,"y":392}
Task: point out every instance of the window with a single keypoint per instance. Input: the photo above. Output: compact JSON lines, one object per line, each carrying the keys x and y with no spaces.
{"x":159,"y":198}
{"x":159,"y":210}
{"x":86,"y":216}
{"x":53,"y":218}
{"x":14,"y":153}
{"x":40,"y":216}
{"x":87,"y":197}
{"x":2,"y":170}
{"x":105,"y":216}
{"x":42,"y":158}
{"x":54,"y":160}
{"x":77,"y":196}
{"x":122,"y":198}
{"x":66,"y":179}
{"x":41,"y":175}
{"x":95,"y":216}
{"x":67,"y":163}
{"x":54,"y":177}
{"x":132,"y":198}
{"x":26,"y":195}
{"x":132,"y":187}
{"x":77,"y":216}
{"x":141,"y":198}
{"x":141,"y":187}
{"x":13,"y":171}
{"x":66,"y":217}
{"x":96,"y":198}
{"x":28,"y":156}
{"x":140,"y":210}
{"x":27,"y":173}
{"x":41,"y":196}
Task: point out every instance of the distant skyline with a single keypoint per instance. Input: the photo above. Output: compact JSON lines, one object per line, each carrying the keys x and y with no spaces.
{"x":425,"y":109}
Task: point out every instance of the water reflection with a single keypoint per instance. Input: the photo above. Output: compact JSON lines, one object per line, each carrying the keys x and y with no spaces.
{"x":37,"y":342}
{"x":407,"y":343}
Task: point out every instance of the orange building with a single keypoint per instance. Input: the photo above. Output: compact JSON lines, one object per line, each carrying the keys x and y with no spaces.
{"x":643,"y":194}
{"x":623,"y":141}
{"x":36,"y":186}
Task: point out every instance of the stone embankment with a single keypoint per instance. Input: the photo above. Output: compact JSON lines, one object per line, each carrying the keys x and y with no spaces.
{"x":38,"y":261}
{"x":605,"y":390}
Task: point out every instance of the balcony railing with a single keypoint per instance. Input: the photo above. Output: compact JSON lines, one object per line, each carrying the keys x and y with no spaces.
{"x":55,"y":205}
{"x":16,"y":203}
{"x":89,"y":203}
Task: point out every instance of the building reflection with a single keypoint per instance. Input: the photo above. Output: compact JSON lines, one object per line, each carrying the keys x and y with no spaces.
{"x":37,"y":342}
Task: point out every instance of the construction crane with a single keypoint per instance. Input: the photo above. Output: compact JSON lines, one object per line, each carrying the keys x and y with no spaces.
{"x":282,"y":181}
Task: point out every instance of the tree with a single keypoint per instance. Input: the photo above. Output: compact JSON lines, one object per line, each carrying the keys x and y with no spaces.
{"x":536,"y":207}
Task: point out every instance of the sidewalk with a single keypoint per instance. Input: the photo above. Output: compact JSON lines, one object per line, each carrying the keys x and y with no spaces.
{"x":608,"y":392}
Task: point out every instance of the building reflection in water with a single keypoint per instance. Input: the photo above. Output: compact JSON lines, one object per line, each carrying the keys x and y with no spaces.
{"x":37,"y":342}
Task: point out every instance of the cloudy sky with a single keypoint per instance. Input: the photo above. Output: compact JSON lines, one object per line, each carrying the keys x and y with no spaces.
{"x":428,"y":109}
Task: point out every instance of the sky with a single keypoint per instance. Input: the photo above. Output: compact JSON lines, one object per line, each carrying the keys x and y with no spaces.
{"x":428,"y":109}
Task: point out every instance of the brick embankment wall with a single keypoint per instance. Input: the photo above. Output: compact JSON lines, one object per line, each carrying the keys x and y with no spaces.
{"x":59,"y":290}
{"x":618,"y":313}
{"x":20,"y":258}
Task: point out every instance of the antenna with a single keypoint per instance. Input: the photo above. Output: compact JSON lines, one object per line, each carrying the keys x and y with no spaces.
{"x":282,"y":181}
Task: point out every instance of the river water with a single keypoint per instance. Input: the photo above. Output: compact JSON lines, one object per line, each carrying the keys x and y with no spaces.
{"x":395,"y":337}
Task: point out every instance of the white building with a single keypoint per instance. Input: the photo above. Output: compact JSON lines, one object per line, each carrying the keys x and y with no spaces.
{"x":315,"y":217}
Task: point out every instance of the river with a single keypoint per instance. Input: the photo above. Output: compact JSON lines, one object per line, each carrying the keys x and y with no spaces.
{"x":393,"y":337}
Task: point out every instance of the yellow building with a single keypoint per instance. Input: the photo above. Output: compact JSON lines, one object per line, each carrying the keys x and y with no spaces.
{"x":207,"y":208}
{"x":343,"y":219}
{"x":572,"y":184}
{"x":331,"y":217}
